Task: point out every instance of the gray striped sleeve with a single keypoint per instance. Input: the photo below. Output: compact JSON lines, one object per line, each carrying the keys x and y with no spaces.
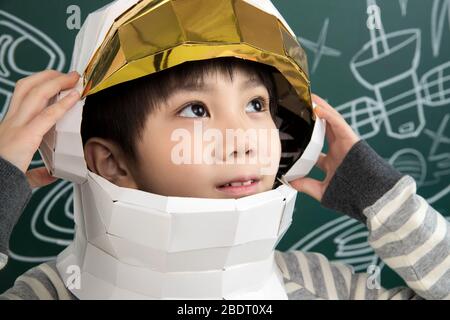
{"x":316,"y":278}
{"x":39,"y":283}
{"x":405,"y":231}
{"x":412,"y":238}
{"x":14,"y":197}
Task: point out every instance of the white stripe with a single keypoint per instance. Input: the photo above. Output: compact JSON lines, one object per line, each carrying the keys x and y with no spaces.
{"x":291,"y":287}
{"x":414,"y":222}
{"x":11,"y":296}
{"x":385,"y":212}
{"x":328,"y":278}
{"x":307,"y":279}
{"x":432,"y":277}
{"x":360,"y":289}
{"x":412,"y":258}
{"x":384,"y":295}
{"x":3,"y":260}
{"x":37,"y":287}
{"x":56,"y":280}
{"x":397,"y":296}
{"x":279,"y":258}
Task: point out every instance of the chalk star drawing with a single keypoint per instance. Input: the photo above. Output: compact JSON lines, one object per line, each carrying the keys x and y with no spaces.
{"x":319,"y":48}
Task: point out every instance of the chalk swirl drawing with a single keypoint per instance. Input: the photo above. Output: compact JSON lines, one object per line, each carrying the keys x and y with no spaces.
{"x":51,"y":221}
{"x":16,"y":36}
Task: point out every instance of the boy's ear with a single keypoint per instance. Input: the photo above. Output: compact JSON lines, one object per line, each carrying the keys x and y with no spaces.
{"x":106,"y":158}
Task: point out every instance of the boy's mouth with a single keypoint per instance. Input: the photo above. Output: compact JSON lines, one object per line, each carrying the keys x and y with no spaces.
{"x":240,"y":186}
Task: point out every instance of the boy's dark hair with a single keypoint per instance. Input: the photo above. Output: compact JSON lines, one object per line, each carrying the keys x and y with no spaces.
{"x":119,"y":113}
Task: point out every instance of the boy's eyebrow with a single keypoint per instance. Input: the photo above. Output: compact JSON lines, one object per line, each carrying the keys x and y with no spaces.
{"x":202,"y":86}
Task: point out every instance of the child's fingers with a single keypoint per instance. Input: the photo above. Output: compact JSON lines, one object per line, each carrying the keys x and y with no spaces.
{"x":329,"y":134}
{"x":50,"y":115}
{"x":325,"y":111}
{"x":337,"y":123}
{"x":321,"y":162}
{"x":321,"y":102}
{"x":311,"y":187}
{"x":23,"y":87}
{"x":39,"y":177}
{"x":38,"y":97}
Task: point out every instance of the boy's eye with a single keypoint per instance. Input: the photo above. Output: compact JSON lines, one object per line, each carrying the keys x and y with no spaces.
{"x":256,"y":105}
{"x":194,"y":111}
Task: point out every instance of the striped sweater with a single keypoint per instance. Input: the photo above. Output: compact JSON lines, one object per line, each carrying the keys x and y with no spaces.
{"x":404,"y":230}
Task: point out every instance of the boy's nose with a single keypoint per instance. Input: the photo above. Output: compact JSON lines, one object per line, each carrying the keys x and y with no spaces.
{"x":239,"y":147}
{"x":240,"y":137}
{"x":240,"y":151}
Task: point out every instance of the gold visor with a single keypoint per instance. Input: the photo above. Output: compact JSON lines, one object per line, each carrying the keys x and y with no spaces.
{"x":155,"y":35}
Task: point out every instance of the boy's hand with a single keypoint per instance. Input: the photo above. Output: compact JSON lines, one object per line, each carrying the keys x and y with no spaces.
{"x":340,"y":137}
{"x":28,"y":119}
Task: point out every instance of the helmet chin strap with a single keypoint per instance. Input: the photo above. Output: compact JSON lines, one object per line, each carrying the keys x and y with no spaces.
{"x":131,"y":244}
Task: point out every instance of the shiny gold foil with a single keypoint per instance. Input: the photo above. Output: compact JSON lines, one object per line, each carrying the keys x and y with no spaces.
{"x":155,"y":35}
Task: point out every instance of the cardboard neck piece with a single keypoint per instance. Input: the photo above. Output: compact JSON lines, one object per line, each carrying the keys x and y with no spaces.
{"x":131,"y":244}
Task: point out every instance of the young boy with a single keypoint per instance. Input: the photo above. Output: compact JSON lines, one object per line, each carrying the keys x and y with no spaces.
{"x":134,"y":152}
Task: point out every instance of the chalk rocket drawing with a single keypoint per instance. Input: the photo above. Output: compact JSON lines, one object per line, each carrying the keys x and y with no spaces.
{"x":366,"y":114}
{"x":401,"y":111}
{"x":319,"y":48}
{"x":18,"y":36}
{"x":398,"y":54}
{"x":435,"y":85}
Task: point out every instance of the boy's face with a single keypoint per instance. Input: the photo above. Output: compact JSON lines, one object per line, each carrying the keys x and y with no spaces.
{"x":203,"y":139}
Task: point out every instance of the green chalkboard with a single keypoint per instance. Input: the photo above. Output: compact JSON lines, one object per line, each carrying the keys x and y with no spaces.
{"x":384,"y":65}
